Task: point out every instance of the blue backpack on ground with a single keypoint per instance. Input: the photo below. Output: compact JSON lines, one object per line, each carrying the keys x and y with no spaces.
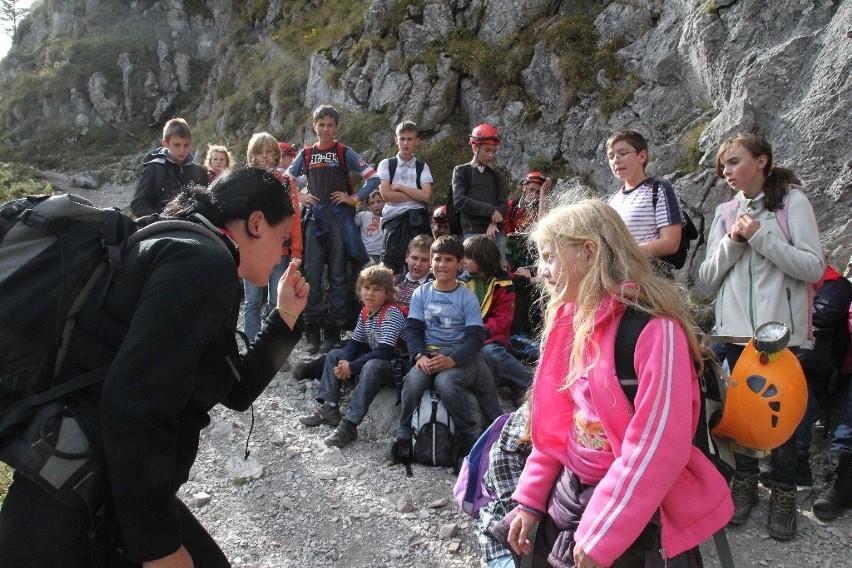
{"x":469,"y":491}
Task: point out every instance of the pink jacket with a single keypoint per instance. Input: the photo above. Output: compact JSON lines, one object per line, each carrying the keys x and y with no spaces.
{"x":656,"y":465}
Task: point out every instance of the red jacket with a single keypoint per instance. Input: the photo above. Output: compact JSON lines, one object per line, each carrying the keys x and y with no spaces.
{"x":497,"y":306}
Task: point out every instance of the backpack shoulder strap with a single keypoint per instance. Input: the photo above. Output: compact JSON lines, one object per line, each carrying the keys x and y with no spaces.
{"x":418,"y":169}
{"x":306,"y":157}
{"x":631,"y":325}
{"x":783,"y":216}
{"x":729,"y":212}
{"x":655,"y":195}
{"x":392,"y":162}
{"x":365,"y":313}
{"x":341,"y":158}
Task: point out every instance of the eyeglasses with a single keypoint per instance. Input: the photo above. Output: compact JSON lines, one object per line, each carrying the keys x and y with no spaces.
{"x":620,"y":155}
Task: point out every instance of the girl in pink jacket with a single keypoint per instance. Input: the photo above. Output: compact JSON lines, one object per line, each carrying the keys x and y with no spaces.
{"x":613,"y":481}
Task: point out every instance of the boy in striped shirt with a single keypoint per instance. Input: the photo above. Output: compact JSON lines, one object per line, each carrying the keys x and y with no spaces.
{"x":648,"y":207}
{"x":365,"y":358}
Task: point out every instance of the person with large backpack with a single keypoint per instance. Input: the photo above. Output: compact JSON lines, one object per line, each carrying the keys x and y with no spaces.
{"x":610,"y":481}
{"x":161,"y":328}
{"x":761,"y":261}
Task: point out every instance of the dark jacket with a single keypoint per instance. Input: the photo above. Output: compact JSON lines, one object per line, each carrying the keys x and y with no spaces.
{"x":162,"y":179}
{"x":166,"y":328}
{"x":477,"y":196}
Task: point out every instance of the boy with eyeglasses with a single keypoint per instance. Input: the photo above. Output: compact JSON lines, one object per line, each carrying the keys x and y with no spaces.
{"x":648,"y":207}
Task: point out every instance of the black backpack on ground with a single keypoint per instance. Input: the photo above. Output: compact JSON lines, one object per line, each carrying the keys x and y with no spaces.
{"x":688,"y":234}
{"x":53,"y":252}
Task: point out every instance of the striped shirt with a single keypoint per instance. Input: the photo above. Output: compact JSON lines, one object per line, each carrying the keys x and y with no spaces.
{"x":405,"y":287}
{"x":386,"y":333}
{"x":636,"y":209}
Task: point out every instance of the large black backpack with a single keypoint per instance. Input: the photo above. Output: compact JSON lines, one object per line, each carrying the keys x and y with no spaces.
{"x":711,"y":386}
{"x":688,"y":233}
{"x":54,"y":251}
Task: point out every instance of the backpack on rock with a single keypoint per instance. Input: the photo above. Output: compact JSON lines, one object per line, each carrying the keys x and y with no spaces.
{"x":434,"y":441}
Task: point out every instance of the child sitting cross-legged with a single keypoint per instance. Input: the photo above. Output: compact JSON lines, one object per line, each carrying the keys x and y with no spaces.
{"x":496,"y":295}
{"x":364,"y":359}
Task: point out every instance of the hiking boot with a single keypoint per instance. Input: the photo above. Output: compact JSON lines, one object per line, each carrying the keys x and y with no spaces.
{"x":312,"y":338}
{"x":310,"y":369}
{"x":401,"y":451}
{"x":804,"y":477}
{"x":781,"y":523}
{"x":325,"y":414}
{"x":330,"y":338}
{"x":837,"y":494}
{"x":744,"y":495}
{"x":345,"y":432}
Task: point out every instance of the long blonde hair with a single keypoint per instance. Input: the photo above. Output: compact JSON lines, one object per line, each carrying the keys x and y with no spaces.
{"x":619,"y":269}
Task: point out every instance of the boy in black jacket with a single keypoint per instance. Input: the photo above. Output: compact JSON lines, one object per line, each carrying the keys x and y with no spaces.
{"x":167,"y":170}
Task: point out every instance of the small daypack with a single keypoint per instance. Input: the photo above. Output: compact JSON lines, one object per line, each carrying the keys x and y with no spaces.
{"x":688,"y":234}
{"x":54,"y":251}
{"x":434,"y":441}
{"x":418,"y":170}
{"x":469,"y":491}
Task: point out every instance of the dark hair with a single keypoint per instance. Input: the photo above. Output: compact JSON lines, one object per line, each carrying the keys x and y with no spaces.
{"x":235,"y":194}
{"x":776,"y":181}
{"x":631,"y":137}
{"x":485,"y":253}
{"x":326,"y":110}
{"x":448,"y":244}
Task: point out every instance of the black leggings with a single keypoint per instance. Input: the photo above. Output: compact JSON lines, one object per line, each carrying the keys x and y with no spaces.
{"x":37,"y":531}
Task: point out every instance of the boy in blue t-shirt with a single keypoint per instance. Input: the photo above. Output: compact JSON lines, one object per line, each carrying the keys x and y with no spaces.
{"x":365,"y":358}
{"x":444,"y":334}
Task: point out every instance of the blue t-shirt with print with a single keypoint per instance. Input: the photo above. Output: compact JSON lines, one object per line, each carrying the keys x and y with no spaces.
{"x":445,"y":314}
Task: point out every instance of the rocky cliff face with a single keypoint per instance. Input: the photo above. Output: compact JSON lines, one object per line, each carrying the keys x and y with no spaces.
{"x":555,"y":77}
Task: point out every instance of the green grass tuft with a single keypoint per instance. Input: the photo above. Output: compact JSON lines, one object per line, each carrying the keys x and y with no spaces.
{"x":17,"y":181}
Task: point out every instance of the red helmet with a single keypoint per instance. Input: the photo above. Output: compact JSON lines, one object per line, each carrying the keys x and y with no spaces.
{"x":287,"y":149}
{"x":534,"y":177}
{"x":485,"y":134}
{"x":440,"y":213}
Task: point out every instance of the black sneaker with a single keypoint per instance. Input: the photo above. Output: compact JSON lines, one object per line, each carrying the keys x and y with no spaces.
{"x":330,"y":338}
{"x":310,"y":369}
{"x":312,"y":338}
{"x":345,"y":432}
{"x":744,"y":495}
{"x":781,"y":523}
{"x":325,"y":414}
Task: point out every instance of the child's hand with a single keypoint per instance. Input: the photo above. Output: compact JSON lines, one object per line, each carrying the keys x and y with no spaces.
{"x":342,"y":370}
{"x":496,"y":217}
{"x":422,"y":364}
{"x":491,"y":231}
{"x":439,"y":362}
{"x":545,"y":187}
{"x":307,"y":199}
{"x":339,"y":197}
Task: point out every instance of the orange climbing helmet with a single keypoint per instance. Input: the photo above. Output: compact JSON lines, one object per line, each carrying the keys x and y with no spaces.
{"x":766,"y":395}
{"x":485,"y":134}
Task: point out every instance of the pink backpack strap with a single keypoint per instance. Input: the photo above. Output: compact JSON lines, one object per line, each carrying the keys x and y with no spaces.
{"x":729,"y":214}
{"x":783,"y":216}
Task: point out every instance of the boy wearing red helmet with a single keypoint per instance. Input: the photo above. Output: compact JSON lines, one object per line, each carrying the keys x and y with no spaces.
{"x":479,"y":194}
{"x":440,"y":222}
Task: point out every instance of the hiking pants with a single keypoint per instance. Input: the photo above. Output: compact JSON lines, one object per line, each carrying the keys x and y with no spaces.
{"x":450,"y":385}
{"x":375,"y":375}
{"x":331,"y":251}
{"x":505,"y":367}
{"x":38,"y":531}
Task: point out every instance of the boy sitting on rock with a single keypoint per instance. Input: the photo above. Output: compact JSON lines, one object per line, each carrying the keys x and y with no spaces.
{"x":364,"y":359}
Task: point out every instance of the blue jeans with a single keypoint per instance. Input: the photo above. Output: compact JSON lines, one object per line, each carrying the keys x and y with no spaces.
{"x":255,"y":296}
{"x":505,"y":367}
{"x":783,"y":459}
{"x":330,"y":251}
{"x":506,"y":561}
{"x":450,"y":386}
{"x":377,"y":373}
